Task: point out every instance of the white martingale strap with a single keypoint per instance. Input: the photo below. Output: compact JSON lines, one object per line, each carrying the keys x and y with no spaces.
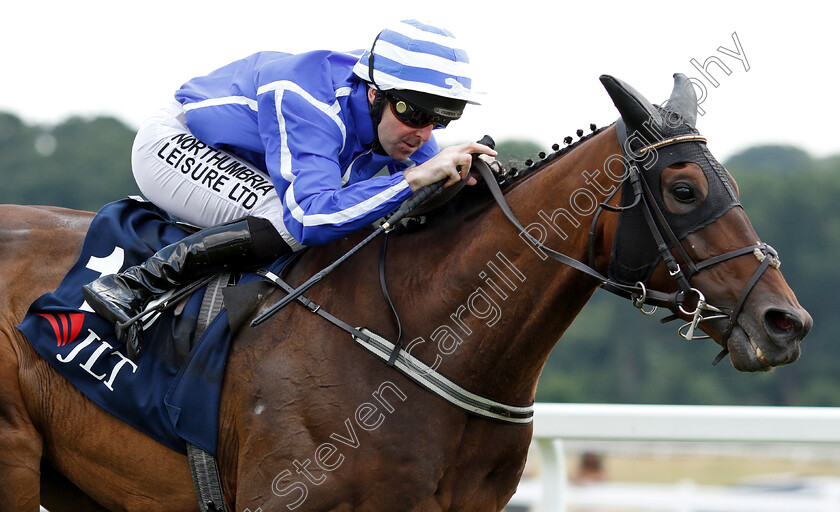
{"x":427,"y":377}
{"x":415,"y":369}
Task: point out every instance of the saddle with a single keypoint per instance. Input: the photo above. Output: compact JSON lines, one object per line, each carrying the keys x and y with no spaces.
{"x":171,"y":393}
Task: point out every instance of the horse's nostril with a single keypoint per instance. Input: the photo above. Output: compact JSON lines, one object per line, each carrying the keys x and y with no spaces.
{"x":787,"y":325}
{"x":780,"y":319}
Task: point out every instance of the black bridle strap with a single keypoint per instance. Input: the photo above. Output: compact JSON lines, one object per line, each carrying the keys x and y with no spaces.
{"x":740,"y":304}
{"x":499,"y":196}
{"x":694,"y":268}
{"x":628,"y":292}
{"x":662,"y":246}
{"x":663,"y":223}
{"x":383,"y":283}
{"x":737,"y":310}
{"x":733,"y":316}
{"x":734,"y":254}
{"x":594,"y":226}
{"x":652,"y":297}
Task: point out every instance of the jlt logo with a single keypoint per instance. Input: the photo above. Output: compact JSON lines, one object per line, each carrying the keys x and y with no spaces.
{"x":66,"y":326}
{"x":95,"y":356}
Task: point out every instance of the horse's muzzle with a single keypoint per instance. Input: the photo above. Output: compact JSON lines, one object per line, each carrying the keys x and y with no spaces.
{"x":787,"y":327}
{"x":774,"y":340}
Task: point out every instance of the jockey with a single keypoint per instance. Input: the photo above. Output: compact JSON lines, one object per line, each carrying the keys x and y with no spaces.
{"x":277,"y":152}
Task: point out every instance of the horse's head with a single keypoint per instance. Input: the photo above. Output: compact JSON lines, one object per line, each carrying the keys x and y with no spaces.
{"x":682,"y":228}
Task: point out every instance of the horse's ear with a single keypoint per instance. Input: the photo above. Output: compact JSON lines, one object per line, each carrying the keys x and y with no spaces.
{"x":633,"y":107}
{"x":683,"y":99}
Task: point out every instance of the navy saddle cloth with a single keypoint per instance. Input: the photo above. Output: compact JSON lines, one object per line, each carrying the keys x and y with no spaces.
{"x":172,"y":397}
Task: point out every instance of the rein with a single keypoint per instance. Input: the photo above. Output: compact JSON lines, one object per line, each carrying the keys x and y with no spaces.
{"x":639,"y":294}
{"x":763,"y":252}
{"x":431,"y":380}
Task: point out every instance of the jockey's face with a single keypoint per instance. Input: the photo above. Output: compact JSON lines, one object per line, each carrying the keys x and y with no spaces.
{"x":398,"y":139}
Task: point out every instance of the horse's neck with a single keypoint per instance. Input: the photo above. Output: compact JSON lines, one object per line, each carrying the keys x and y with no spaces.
{"x":496,"y":306}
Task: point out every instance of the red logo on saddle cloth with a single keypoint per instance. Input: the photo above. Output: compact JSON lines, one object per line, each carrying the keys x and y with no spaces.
{"x":66,"y":326}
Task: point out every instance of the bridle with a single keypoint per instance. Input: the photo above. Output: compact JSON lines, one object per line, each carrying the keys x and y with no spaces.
{"x":659,"y":226}
{"x":425,"y":376}
{"x":664,"y":237}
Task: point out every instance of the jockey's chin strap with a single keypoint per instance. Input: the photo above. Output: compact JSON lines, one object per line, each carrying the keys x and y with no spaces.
{"x":639,"y":294}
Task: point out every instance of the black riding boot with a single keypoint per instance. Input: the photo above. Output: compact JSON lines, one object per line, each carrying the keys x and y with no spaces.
{"x":240,"y":244}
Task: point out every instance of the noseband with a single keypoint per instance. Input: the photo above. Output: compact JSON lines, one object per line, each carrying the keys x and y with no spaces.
{"x":664,"y":238}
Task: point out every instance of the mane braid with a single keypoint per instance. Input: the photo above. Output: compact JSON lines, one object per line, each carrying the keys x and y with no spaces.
{"x":471,"y":200}
{"x":531,"y":166}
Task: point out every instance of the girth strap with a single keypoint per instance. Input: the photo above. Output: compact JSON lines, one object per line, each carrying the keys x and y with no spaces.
{"x":205,"y":471}
{"x":208,"y":485}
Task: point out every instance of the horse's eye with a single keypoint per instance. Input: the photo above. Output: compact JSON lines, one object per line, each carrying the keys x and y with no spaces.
{"x":683,"y":194}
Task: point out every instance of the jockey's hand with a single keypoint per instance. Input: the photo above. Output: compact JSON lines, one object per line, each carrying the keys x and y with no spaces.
{"x":445,"y":165}
{"x":489,"y":160}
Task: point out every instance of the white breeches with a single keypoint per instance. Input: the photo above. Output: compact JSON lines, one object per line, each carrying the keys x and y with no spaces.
{"x":196,"y":183}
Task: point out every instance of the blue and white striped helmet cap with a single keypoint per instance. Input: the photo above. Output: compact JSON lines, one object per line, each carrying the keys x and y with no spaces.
{"x":416,"y":56}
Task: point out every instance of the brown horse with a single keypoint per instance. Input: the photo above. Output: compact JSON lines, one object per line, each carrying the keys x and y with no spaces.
{"x":309,"y":421}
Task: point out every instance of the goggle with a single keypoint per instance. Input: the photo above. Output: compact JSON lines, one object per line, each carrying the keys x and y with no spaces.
{"x":413,"y":116}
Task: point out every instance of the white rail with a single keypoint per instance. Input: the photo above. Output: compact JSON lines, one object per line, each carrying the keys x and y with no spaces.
{"x":556,"y":422}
